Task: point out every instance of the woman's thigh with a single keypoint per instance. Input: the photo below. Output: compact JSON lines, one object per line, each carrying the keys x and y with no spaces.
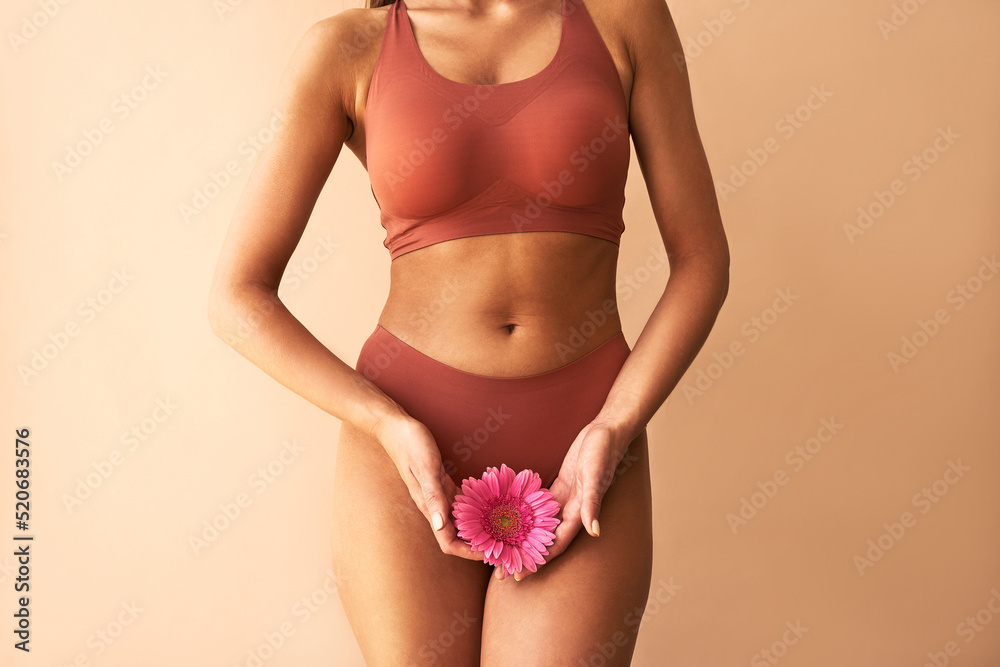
{"x":586,"y":603}
{"x":408,"y":603}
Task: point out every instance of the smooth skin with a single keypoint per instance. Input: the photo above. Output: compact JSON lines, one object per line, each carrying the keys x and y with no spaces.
{"x":413,"y":592}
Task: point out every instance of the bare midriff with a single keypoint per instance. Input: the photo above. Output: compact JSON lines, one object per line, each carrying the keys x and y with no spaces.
{"x":505,"y":305}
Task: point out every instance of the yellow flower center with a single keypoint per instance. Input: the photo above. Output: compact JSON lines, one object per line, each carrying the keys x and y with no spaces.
{"x":505,"y":523}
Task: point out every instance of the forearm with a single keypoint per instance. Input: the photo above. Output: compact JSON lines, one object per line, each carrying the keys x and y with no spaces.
{"x":254,"y":322}
{"x":670,"y":341}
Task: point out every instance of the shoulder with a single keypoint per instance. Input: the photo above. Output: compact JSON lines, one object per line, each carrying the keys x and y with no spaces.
{"x":346,"y":39}
{"x":350,"y":33}
{"x":644,"y":28}
{"x":333,"y":54}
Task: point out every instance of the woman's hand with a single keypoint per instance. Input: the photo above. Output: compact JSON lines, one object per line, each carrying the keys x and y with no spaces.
{"x":412,"y":448}
{"x":585,"y":476}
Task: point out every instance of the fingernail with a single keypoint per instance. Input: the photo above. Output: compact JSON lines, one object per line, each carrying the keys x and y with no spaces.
{"x":437,"y":521}
{"x":595,"y":528}
{"x":496,"y":573}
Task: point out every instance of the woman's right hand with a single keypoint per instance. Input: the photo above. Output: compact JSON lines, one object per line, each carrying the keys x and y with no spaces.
{"x":412,"y":447}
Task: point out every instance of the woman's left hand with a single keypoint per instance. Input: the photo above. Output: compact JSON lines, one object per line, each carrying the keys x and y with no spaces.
{"x":586,"y":474}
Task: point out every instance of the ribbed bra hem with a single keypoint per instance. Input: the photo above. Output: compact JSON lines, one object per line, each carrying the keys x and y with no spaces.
{"x":395,"y":252}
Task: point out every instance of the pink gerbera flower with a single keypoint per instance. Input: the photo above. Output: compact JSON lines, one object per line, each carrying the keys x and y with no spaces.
{"x":507,"y":516}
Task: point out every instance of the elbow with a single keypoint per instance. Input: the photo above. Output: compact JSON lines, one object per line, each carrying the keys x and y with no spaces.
{"x":217,"y":306}
{"x":234,"y":311}
{"x":723,"y":272}
{"x":220,"y":306}
{"x":709,"y":267}
{"x":724,"y":264}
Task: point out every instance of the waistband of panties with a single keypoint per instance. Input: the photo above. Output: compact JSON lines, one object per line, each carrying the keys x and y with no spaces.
{"x":609,"y":355}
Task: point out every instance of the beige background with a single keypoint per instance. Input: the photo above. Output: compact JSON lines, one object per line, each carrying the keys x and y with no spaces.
{"x":724,"y":594}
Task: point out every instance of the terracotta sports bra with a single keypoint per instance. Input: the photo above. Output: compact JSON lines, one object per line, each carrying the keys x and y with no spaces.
{"x":449,"y":160}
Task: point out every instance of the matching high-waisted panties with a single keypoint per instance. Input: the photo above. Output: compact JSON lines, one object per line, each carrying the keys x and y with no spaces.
{"x":478,"y":421}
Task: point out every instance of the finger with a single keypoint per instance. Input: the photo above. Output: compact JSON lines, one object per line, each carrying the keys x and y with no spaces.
{"x":567,"y":529}
{"x":590,"y":506}
{"x":451,"y":544}
{"x":435,"y":497}
{"x":525,"y":572}
{"x":564,"y":533}
{"x":459,"y":547}
{"x":561,"y":490}
{"x":433,"y":501}
{"x":430,"y":497}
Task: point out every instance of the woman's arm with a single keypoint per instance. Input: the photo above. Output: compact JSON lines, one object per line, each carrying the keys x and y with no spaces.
{"x":244,"y":310}
{"x":682,"y":194}
{"x":316,"y":91}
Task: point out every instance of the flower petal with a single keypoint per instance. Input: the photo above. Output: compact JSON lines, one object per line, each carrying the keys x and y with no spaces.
{"x":534,"y":484}
{"x":493,"y":483}
{"x":546,"y":508}
{"x":536,"y":495}
{"x":506,"y":478}
{"x":532,"y":554}
{"x":520,"y":481}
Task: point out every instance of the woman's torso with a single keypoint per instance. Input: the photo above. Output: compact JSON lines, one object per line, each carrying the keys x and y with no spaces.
{"x":499,"y":304}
